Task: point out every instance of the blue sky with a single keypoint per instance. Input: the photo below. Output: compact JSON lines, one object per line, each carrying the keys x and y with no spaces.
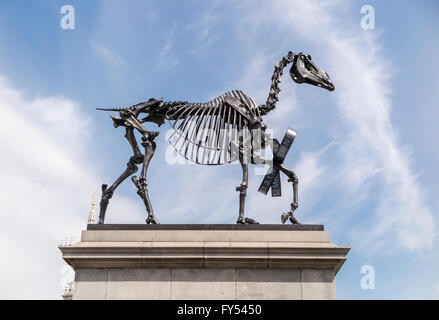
{"x":365,"y":154}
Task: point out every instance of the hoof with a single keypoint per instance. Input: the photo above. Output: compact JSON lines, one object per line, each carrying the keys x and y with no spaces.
{"x":247,"y":221}
{"x":152,"y":220}
{"x":284,"y":217}
{"x":241,"y":221}
{"x":294,"y":220}
{"x":251,"y":221}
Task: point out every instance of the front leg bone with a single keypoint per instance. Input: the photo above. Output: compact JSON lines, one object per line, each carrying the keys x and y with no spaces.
{"x":294,"y":205}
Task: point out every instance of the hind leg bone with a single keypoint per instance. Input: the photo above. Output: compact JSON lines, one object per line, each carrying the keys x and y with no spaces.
{"x":107,"y":193}
{"x":141,"y":183}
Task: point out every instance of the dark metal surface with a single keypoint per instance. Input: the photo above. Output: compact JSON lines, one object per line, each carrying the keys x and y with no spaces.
{"x":268,"y":227}
{"x":226,"y":129}
{"x":272,"y":178}
{"x":280,"y":150}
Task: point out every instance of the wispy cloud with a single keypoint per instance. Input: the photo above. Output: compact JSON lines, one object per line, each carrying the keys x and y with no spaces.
{"x":369,"y":150}
{"x":110,"y":57}
{"x":166,"y":58}
{"x":205,"y":27}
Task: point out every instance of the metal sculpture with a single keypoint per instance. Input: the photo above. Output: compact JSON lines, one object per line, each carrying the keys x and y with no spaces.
{"x":272,"y":178}
{"x":216,"y":132}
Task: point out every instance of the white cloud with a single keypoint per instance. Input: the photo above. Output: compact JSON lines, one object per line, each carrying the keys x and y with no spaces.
{"x":310,"y":170}
{"x":45,"y":189}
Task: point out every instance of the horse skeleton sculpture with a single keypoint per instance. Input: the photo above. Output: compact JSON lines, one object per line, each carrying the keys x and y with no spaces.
{"x":211,"y":133}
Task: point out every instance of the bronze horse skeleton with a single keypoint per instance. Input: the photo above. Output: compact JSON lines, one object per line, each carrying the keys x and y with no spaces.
{"x":211,"y":133}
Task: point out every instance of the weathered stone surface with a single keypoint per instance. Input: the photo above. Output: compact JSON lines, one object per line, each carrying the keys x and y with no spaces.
{"x":90,"y":284}
{"x":318,"y":284}
{"x":204,"y":264}
{"x":204,"y":235}
{"x":199,"y":284}
{"x":145,"y":284}
{"x":268,"y":284}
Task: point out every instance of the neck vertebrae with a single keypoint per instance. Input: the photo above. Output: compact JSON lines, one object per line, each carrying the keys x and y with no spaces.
{"x":273,"y":95}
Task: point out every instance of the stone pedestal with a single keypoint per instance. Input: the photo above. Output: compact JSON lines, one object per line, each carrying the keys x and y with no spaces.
{"x":204,"y":262}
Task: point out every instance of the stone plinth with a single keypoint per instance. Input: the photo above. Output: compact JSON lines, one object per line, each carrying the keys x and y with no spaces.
{"x":204,"y":262}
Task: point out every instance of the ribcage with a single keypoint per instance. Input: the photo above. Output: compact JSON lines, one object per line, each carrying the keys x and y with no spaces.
{"x":205,"y":132}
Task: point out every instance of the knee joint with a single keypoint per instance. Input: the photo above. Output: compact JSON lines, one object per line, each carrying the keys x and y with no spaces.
{"x":293,"y":178}
{"x":137,"y":159}
{"x":242,"y":189}
{"x":107,"y":194}
{"x":132,"y":165}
